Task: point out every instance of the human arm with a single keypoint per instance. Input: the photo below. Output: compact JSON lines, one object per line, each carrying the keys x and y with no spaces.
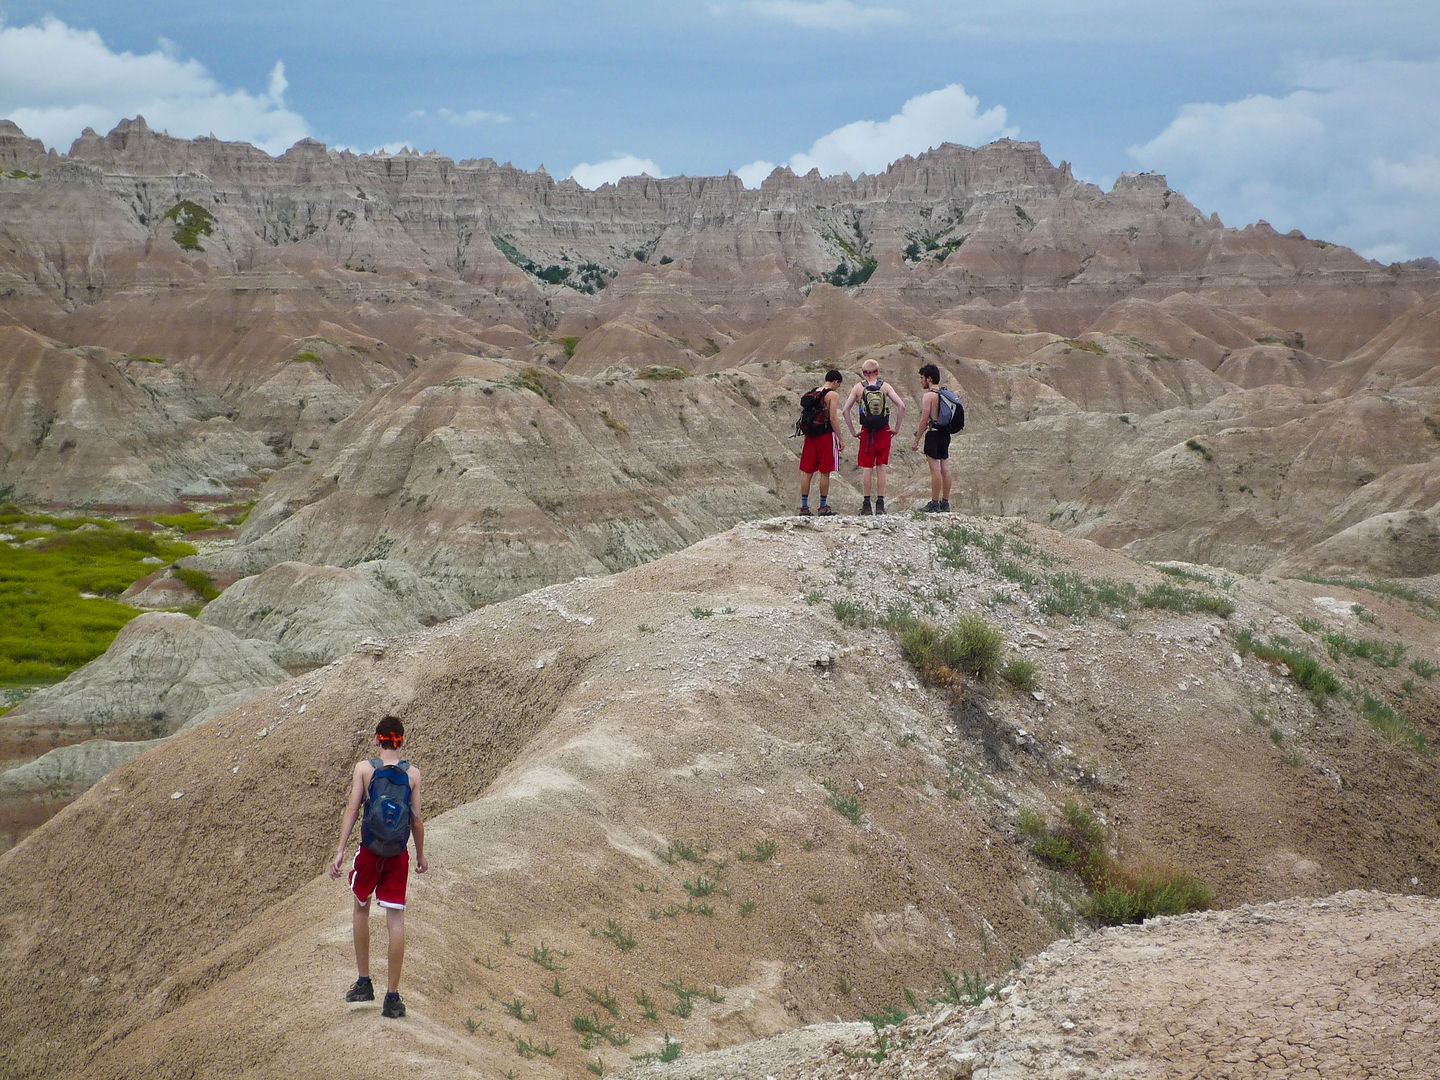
{"x":417,"y":822}
{"x":352,"y":814}
{"x":850,"y":404}
{"x":891,"y":393}
{"x":927,"y":410}
{"x":833,"y":399}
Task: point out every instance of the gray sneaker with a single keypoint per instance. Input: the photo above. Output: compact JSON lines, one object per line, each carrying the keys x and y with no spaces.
{"x":393,"y":1006}
{"x":363,"y":990}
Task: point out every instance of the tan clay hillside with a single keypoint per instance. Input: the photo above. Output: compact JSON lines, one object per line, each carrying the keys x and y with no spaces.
{"x":611,"y":760}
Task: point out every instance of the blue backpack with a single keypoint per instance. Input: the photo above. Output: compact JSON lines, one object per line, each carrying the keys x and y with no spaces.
{"x":385,"y":824}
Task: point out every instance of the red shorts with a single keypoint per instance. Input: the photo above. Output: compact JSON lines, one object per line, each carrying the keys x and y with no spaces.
{"x":875,"y":447}
{"x":819,"y":454}
{"x":385,"y":878}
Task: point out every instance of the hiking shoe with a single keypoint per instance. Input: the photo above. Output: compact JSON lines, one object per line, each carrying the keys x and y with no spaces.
{"x":824,"y":511}
{"x":363,"y":990}
{"x":804,"y":511}
{"x":879,"y":506}
{"x":865,"y":510}
{"x":393,"y":1006}
{"x":930,"y":507}
{"x":944,"y":506}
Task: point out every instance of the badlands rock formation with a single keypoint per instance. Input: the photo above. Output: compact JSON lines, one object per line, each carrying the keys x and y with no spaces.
{"x":609,"y":760}
{"x":323,"y":309}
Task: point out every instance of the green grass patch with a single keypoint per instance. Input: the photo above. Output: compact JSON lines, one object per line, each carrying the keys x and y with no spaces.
{"x":1303,"y":668}
{"x":848,"y":806}
{"x":1388,"y":722}
{"x":1383,"y":654}
{"x":1200,"y":448}
{"x":1170,"y":597}
{"x":305,"y":356}
{"x":192,"y":521}
{"x":664,"y":371}
{"x":58,"y":591}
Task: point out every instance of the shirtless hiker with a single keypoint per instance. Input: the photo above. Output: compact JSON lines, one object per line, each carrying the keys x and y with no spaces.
{"x":388,"y":791}
{"x":874,"y":396}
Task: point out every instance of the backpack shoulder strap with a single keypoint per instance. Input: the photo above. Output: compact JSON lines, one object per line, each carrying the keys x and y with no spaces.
{"x":376,"y":763}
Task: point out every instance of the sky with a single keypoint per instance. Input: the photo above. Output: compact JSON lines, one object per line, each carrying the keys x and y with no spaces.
{"x":1309,"y":114}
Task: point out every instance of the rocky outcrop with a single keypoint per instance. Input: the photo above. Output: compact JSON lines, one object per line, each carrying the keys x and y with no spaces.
{"x":310,"y":615}
{"x":163,"y":670}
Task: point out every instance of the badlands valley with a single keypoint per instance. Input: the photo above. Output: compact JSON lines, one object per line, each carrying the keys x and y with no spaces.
{"x":511,"y":458}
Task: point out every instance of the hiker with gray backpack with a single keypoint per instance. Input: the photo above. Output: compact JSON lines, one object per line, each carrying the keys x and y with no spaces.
{"x":387,"y":791}
{"x":941,"y":415}
{"x":874,"y":396}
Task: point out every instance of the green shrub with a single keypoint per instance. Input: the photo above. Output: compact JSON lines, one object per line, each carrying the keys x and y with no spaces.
{"x":972,"y":646}
{"x":1200,"y":448}
{"x":192,"y":221}
{"x":1380,"y":653}
{"x":662,"y":371}
{"x":1021,"y":673}
{"x":1119,"y":892}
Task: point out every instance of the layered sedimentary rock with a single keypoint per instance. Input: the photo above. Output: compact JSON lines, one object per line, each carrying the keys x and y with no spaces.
{"x":306,"y":307}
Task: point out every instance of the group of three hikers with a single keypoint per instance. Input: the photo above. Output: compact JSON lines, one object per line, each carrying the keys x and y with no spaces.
{"x":384,"y":796}
{"x":819,"y":422}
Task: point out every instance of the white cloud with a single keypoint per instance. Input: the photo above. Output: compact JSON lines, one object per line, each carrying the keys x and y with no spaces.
{"x":609,"y":172}
{"x":754,"y":174}
{"x":56,"y":80}
{"x":925,"y":121}
{"x":1351,"y":155}
{"x":472,"y":117}
{"x":841,"y":15}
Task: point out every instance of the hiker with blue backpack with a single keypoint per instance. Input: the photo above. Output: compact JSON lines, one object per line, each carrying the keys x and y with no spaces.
{"x":941,"y":415}
{"x":385,"y":799}
{"x":874,"y":396}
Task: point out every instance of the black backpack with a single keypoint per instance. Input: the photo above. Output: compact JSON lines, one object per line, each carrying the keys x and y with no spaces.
{"x":814,"y":414}
{"x":385,"y":823}
{"x":949,"y":413}
{"x":874,"y":406}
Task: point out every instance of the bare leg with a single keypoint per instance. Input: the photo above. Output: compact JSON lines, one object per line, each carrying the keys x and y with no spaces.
{"x":395,"y":925}
{"x":824,"y":485}
{"x":362,"y":938}
{"x":869,"y":474}
{"x":935,"y":464}
{"x":945,"y":479}
{"x":879,"y":471}
{"x":805,"y":479}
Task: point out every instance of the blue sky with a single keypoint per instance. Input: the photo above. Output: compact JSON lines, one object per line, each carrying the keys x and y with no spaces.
{"x":1310,"y":114}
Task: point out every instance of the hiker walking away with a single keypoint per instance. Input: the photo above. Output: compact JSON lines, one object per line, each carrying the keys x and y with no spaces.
{"x":937,"y":440}
{"x":874,"y":396}
{"x":387,"y":790}
{"x":820,"y":424}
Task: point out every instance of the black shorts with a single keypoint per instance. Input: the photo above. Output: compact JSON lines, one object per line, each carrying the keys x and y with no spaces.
{"x":937,"y":444}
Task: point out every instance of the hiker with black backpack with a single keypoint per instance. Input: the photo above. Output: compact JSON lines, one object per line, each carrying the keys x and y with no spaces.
{"x":388,"y":791}
{"x":874,"y":396}
{"x":941,"y":415}
{"x":820,"y":424}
